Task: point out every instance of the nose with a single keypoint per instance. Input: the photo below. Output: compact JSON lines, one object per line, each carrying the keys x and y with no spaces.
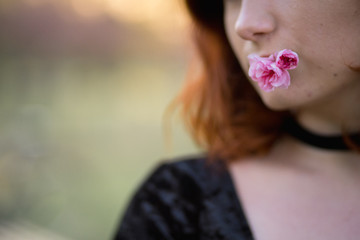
{"x":255,"y":20}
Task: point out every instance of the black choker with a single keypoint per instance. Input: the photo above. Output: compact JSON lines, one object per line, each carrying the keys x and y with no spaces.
{"x":332,"y":142}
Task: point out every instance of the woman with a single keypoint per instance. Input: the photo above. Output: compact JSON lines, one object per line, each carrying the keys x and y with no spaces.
{"x":281,"y":164}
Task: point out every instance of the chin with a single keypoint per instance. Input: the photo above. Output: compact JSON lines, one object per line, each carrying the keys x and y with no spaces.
{"x":278,"y":100}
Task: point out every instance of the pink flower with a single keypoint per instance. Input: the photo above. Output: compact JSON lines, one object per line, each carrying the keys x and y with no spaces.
{"x":271,"y":72}
{"x":287,"y":59}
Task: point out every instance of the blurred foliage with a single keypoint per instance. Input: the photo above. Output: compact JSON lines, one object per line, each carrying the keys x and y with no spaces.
{"x":81,"y":107}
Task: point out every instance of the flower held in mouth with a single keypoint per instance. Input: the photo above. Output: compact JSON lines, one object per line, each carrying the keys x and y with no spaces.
{"x":271,"y":72}
{"x":287,"y":59}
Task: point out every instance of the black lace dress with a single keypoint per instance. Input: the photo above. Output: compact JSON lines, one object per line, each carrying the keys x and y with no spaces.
{"x":186,"y":199}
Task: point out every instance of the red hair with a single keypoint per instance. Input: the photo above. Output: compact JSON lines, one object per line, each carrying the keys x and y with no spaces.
{"x":221,"y":109}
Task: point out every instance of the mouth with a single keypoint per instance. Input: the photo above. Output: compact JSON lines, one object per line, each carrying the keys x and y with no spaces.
{"x":272,"y":72}
{"x":265,"y":55}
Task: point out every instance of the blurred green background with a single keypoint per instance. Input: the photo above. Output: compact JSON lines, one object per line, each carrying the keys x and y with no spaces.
{"x":83,"y":88}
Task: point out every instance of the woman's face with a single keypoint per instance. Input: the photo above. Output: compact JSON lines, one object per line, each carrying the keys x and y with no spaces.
{"x":324,"y":33}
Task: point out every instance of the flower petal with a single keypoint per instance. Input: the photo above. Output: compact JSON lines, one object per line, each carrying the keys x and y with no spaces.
{"x":287,"y":59}
{"x":271,"y":72}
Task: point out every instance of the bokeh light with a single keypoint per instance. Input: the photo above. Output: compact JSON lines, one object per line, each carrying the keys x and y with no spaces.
{"x":83,"y":88}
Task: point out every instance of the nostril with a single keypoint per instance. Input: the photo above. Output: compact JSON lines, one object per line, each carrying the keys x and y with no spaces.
{"x":258,"y":34}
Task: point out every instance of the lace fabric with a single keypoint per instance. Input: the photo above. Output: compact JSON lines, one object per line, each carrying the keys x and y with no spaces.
{"x":185,"y":199}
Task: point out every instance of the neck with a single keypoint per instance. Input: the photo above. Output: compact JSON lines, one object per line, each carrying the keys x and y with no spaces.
{"x":291,"y":152}
{"x":331,"y":115}
{"x":336,"y":113}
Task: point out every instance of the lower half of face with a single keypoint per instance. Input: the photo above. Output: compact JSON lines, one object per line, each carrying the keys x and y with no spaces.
{"x":313,"y":83}
{"x":326,"y":38}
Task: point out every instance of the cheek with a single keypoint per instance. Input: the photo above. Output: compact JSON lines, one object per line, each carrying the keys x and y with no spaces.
{"x":236,"y":42}
{"x":350,"y":51}
{"x":238,"y":46}
{"x":330,"y":33}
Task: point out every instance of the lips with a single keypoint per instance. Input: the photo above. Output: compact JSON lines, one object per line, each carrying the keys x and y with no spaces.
{"x":264,"y":55}
{"x":271,"y":71}
{"x":270,"y":56}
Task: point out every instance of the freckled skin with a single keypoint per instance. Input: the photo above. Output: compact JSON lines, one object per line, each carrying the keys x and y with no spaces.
{"x":326,"y":37}
{"x":323,"y":98}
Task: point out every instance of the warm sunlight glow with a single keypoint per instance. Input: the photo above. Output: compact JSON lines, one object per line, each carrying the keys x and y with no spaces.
{"x":162,"y":16}
{"x":88,"y":8}
{"x":157,"y":14}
